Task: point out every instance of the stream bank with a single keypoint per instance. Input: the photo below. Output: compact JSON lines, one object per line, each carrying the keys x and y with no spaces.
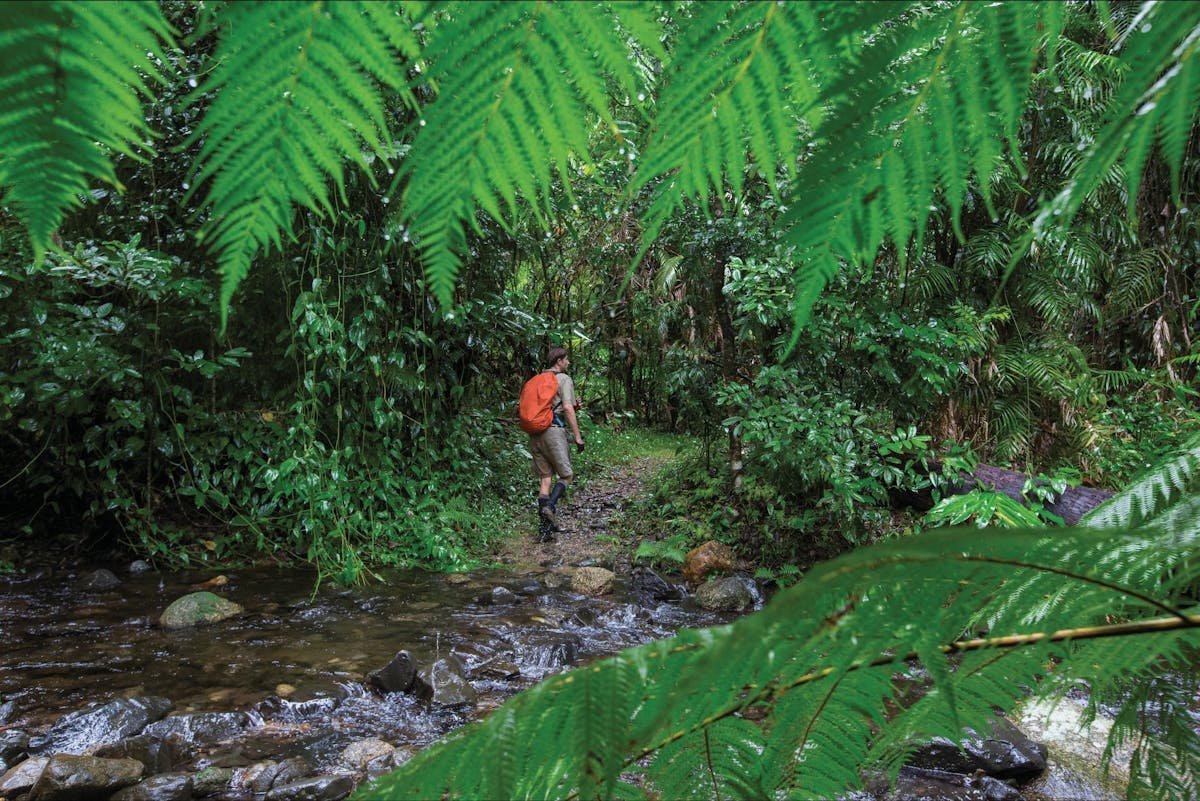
{"x":307,"y":695}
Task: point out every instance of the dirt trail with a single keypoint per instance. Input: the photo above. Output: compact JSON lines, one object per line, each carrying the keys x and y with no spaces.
{"x":583,"y":520}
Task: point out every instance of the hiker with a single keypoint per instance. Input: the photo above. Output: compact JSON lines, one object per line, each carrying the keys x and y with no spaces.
{"x":551,"y":449}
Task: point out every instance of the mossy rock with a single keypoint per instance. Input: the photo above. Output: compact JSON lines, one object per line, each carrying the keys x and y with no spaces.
{"x":197,"y":608}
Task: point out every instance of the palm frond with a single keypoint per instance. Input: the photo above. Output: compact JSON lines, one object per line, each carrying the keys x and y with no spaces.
{"x":60,"y":62}
{"x":291,"y":108}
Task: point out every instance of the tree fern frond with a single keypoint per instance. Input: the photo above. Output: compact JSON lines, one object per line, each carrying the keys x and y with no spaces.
{"x":519,"y":84}
{"x":1136,"y":282}
{"x":317,"y":103}
{"x":1147,"y":496}
{"x":59,"y":63}
{"x":717,"y":762}
{"x":1160,"y":51}
{"x":747,"y":74}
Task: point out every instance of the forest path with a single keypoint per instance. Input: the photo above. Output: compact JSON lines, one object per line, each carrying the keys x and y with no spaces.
{"x":585,"y":535}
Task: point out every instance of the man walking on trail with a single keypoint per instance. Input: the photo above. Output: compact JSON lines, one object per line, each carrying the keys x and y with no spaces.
{"x":551,"y":450}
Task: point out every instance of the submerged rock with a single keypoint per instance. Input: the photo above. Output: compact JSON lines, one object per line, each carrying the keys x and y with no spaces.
{"x":196,"y":608}
{"x":98,"y":581}
{"x":447,"y":680}
{"x":321,"y":788}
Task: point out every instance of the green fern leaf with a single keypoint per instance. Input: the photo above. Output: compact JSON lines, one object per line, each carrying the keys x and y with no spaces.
{"x":59,"y":63}
{"x":521,"y":83}
{"x":1147,"y":496}
{"x":317,"y":105}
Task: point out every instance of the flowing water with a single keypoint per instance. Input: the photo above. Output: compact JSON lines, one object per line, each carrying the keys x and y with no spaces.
{"x":306,"y":656}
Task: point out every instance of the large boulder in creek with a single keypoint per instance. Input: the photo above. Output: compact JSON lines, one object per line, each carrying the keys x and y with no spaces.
{"x":592,"y":581}
{"x":68,"y":777}
{"x":709,"y":559}
{"x":729,"y":594}
{"x":1003,"y":752}
{"x":196,"y":608}
{"x":649,"y":587}
{"x":86,"y":731}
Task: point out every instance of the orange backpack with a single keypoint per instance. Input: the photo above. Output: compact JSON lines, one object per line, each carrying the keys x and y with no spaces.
{"x":536,"y":397}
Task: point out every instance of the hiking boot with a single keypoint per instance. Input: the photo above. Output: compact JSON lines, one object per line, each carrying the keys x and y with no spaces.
{"x":545,"y":531}
{"x":547,"y":514}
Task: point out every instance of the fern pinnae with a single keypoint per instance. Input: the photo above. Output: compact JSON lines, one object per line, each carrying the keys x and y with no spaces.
{"x":52,"y":71}
{"x":1147,"y":496}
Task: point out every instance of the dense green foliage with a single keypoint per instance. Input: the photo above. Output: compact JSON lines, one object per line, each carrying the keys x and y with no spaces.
{"x":266,"y":295}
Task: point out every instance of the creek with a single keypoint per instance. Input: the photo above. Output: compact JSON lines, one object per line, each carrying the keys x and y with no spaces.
{"x":289,"y":677}
{"x":297,"y":661}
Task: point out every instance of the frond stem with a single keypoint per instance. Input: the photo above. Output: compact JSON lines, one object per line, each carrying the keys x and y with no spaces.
{"x":1177,"y":620}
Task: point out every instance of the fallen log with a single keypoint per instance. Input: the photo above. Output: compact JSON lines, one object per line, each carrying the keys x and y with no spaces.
{"x":1072,"y":505}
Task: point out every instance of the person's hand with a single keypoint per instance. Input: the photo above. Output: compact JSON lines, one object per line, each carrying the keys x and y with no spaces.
{"x":579,"y":444}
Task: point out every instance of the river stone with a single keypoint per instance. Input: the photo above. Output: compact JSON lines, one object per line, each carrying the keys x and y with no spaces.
{"x":212,"y":781}
{"x":163,"y":787}
{"x":199,"y":728}
{"x":68,"y":777}
{"x":727,"y":594}
{"x":293,"y":769}
{"x":933,"y":785}
{"x":362,"y":753}
{"x":196,"y":608}
{"x":7,"y":710}
{"x":447,"y":680}
{"x":708,"y":559}
{"x":502,"y":596}
{"x":98,"y":581}
{"x":139,"y":566}
{"x":398,"y":676}
{"x":13,"y":743}
{"x":649,"y":586}
{"x":1003,"y":752}
{"x":88,"y":730}
{"x":21,"y":777}
{"x":592,"y":581}
{"x":257,"y":778}
{"x":142,"y":747}
{"x":320,"y":788}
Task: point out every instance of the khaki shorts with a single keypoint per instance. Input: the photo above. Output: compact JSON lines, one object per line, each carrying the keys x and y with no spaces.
{"x":551,"y":451}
